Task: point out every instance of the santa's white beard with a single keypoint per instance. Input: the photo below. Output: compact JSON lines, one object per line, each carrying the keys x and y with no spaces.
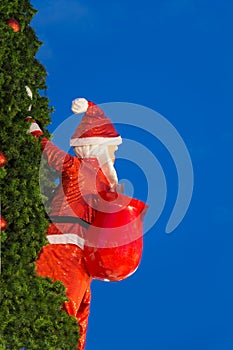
{"x":110,"y":173}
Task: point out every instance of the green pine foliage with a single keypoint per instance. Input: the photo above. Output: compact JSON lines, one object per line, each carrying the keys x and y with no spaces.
{"x":30,"y":306}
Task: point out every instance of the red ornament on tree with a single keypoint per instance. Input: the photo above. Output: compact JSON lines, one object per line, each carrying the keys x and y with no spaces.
{"x":2,"y":159}
{"x":13,"y":24}
{"x":3,"y":223}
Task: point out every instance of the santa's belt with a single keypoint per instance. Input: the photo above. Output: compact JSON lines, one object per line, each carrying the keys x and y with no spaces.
{"x":68,"y":238}
{"x":70,"y":220}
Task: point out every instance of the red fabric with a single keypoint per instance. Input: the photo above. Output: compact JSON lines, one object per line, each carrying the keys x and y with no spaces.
{"x":90,"y":104}
{"x":65,"y":263}
{"x":95,"y":124}
{"x":80,"y":179}
{"x":114,"y":243}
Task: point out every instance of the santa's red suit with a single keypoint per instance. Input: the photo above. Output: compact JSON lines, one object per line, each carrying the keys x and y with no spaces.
{"x":78,"y":251}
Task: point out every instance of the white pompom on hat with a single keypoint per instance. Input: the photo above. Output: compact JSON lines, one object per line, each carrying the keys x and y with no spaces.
{"x":79,"y":105}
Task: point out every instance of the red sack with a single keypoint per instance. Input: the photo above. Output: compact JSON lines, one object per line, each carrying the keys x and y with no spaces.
{"x":113,"y":245}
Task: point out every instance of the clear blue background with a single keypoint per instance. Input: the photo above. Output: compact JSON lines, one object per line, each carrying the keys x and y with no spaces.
{"x":174,"y":56}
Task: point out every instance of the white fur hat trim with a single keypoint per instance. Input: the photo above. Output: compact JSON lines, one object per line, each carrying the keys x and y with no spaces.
{"x":82,"y":141}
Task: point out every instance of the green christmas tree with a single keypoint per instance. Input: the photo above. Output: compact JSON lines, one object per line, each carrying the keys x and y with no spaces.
{"x":31,"y":314}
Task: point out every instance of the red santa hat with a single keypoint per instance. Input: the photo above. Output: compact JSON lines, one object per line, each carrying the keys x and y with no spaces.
{"x":95,"y":127}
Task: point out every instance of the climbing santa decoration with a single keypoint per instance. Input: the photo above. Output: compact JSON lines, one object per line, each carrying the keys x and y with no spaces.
{"x":95,"y":231}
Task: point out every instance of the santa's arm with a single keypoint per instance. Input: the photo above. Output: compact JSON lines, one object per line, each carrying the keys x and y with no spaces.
{"x":56,"y":158}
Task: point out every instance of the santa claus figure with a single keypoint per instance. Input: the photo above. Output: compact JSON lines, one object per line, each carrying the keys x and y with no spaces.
{"x":95,"y":231}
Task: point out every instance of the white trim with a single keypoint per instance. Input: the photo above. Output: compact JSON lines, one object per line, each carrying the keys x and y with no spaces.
{"x":66,"y":238}
{"x":83,"y":141}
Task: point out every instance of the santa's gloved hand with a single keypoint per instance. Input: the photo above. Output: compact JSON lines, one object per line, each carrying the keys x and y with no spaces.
{"x":34,"y":129}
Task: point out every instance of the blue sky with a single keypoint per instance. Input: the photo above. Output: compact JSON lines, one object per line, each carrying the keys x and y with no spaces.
{"x":174,"y":56}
